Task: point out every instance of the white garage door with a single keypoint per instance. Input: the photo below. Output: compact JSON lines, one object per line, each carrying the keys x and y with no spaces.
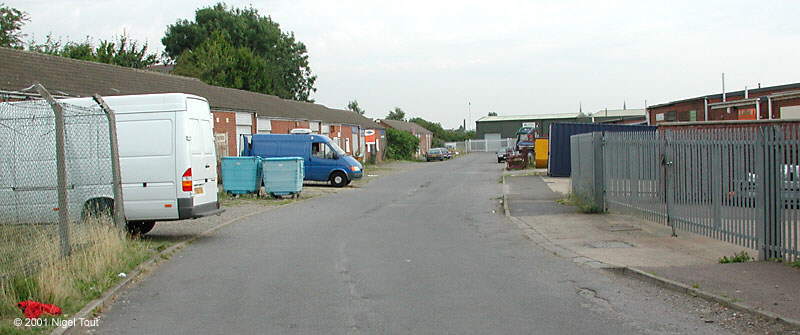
{"x":493,"y":142}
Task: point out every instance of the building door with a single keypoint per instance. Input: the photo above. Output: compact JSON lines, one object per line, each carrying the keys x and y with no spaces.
{"x":493,"y":142}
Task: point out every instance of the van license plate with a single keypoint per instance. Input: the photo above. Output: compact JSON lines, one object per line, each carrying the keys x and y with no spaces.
{"x":198,"y":190}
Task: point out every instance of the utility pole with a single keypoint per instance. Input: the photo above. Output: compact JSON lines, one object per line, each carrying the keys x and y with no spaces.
{"x":469,"y":113}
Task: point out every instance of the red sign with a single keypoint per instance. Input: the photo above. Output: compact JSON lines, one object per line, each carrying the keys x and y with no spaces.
{"x":369,"y":136}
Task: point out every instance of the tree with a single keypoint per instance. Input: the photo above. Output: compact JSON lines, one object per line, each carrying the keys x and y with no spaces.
{"x":354,"y":107}
{"x":218,"y":62}
{"x":282,"y":62}
{"x":445,"y":135}
{"x":123,"y":51}
{"x":492,"y":114}
{"x":400,"y":144}
{"x":396,"y":114}
{"x":11,"y":22}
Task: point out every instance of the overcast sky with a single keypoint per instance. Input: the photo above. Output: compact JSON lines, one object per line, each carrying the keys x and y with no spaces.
{"x":512,"y":57}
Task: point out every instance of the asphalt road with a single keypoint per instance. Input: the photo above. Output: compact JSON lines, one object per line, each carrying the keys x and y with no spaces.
{"x":427,"y":251}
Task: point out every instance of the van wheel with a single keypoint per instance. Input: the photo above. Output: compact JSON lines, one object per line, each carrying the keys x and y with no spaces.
{"x":98,"y":209}
{"x":136,"y":228}
{"x":338,"y":179}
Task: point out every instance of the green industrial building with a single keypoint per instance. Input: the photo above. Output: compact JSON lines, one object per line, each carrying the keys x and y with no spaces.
{"x":497,"y":127}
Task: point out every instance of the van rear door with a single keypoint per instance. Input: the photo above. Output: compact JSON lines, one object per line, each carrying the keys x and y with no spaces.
{"x":203,"y":158}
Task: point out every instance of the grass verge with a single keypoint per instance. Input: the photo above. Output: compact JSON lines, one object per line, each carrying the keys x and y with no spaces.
{"x":100,"y":253}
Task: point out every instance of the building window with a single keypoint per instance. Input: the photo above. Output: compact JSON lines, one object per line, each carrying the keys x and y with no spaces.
{"x":670,"y":116}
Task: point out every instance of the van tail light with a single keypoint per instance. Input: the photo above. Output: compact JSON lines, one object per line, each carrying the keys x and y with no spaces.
{"x":186,"y":180}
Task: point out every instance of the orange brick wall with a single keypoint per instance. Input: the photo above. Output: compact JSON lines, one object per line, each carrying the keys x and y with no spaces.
{"x":225,"y":123}
{"x":284,"y":126}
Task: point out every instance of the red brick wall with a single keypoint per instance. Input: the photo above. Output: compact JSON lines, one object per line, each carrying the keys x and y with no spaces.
{"x":722,"y":114}
{"x":225,"y":123}
{"x":284,"y":126}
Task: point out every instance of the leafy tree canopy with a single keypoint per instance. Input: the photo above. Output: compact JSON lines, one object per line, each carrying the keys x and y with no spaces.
{"x":444,"y":135}
{"x":11,"y":22}
{"x":400,"y":144}
{"x":492,"y":113}
{"x":396,"y":114}
{"x":282,"y":67}
{"x":354,"y":107}
{"x":122,"y":51}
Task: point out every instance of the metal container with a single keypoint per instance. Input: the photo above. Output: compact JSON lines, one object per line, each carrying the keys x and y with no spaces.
{"x":541,"y":150}
{"x":559,"y":163}
{"x":241,"y":175}
{"x":283,"y":176}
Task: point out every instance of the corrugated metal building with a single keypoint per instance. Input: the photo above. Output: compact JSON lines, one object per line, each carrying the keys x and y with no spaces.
{"x":560,"y":160}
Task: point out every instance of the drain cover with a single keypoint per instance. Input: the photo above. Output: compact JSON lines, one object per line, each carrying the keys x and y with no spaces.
{"x":609,"y":244}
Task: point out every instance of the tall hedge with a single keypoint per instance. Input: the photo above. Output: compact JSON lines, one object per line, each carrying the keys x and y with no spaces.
{"x":400,"y":144}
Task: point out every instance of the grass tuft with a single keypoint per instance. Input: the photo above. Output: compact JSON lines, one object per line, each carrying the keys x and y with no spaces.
{"x":100,"y":253}
{"x":740,"y":257}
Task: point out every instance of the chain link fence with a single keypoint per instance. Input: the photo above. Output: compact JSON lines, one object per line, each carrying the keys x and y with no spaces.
{"x":57,"y":181}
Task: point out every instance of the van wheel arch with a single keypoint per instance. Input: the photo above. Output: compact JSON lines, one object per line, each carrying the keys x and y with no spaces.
{"x":97,"y":207}
{"x":338,"y":178}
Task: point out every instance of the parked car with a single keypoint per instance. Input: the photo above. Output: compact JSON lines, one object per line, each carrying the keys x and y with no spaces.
{"x":744,"y":190}
{"x":323,"y":160}
{"x":446,"y":152}
{"x":167,"y":162}
{"x":503,"y":153}
{"x":434,"y":154}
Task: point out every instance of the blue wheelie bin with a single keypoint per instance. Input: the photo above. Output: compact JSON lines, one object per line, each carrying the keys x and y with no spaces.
{"x":241,"y":175}
{"x":283,"y":176}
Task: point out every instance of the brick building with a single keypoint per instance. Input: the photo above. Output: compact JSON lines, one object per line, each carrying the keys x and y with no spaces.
{"x":236,"y":112}
{"x":425,"y":136}
{"x":767,"y":103}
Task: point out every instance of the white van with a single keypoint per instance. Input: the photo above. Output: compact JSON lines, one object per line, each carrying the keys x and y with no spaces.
{"x":167,"y":160}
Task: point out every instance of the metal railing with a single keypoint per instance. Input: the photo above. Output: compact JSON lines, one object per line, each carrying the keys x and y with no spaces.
{"x":487,"y":145}
{"x":739,"y":185}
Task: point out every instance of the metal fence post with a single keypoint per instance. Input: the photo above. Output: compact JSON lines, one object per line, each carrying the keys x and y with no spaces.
{"x":762,"y":192}
{"x":119,"y":208}
{"x":597,"y":162}
{"x":61,"y":170}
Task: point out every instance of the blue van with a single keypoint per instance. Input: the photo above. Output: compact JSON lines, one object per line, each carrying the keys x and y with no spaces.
{"x":323,"y":159}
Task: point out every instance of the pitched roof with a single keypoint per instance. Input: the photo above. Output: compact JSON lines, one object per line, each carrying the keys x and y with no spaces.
{"x":619,"y":112}
{"x":70,"y":77}
{"x":407,"y":126}
{"x":528,"y":117}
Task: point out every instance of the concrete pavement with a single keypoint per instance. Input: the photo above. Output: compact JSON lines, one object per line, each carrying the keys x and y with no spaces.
{"x":423,"y":252}
{"x":626,"y":241}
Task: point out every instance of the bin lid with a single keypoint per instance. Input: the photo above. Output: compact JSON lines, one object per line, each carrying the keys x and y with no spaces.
{"x":240,"y":157}
{"x":283,"y":159}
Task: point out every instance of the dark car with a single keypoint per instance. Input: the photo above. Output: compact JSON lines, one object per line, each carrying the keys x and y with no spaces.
{"x":434,"y":154}
{"x":502,"y":154}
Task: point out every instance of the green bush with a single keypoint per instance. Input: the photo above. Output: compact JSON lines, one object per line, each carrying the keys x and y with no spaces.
{"x":400,"y":144}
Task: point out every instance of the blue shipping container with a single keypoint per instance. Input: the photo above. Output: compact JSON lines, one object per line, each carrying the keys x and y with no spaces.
{"x":241,"y":175}
{"x":283,"y":175}
{"x":559,"y":163}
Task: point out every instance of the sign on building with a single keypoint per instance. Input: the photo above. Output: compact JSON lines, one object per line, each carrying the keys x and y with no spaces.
{"x":369,"y":136}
